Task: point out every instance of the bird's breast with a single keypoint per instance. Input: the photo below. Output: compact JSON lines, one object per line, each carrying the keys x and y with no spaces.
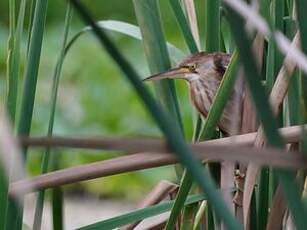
{"x":202,"y":94}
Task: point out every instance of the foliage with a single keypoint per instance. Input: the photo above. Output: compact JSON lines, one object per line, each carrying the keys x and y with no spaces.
{"x":94,"y":99}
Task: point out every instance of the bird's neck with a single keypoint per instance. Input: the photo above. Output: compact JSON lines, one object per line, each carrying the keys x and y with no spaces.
{"x":202,"y":93}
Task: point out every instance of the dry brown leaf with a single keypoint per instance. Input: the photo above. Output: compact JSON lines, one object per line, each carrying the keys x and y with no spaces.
{"x":278,"y":208}
{"x":266,"y":157}
{"x":190,"y":10}
{"x":133,"y":145}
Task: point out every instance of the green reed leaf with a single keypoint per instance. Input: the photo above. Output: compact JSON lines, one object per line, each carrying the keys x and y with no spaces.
{"x":168,"y":126}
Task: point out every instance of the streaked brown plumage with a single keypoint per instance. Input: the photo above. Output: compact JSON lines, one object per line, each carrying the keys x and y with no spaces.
{"x":204,"y":72}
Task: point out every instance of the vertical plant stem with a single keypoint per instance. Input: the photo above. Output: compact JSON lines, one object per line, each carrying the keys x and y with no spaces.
{"x":184,"y":26}
{"x":31,"y":73}
{"x":286,"y":178}
{"x":3,"y":195}
{"x":186,"y":181}
{"x":31,"y":16}
{"x":212,"y":25}
{"x":57,"y":197}
{"x":13,"y":62}
{"x":301,"y":15}
{"x":148,"y":16}
{"x":167,"y":125}
{"x":57,"y":210}
{"x":46,"y":156}
{"x":11,"y":105}
{"x":212,"y":44}
{"x":267,"y":182}
{"x":14,"y":214}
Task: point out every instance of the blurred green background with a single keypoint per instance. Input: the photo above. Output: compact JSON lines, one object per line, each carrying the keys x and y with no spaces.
{"x":94,"y":98}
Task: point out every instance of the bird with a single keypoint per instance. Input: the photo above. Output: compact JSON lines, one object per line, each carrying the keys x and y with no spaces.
{"x":203,"y":72}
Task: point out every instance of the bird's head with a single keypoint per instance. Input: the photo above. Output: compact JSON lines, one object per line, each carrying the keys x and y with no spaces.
{"x":197,"y":65}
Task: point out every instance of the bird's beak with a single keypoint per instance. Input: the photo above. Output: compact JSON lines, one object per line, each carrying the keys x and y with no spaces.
{"x":170,"y":74}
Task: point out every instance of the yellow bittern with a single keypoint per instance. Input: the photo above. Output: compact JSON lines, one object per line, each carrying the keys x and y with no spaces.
{"x":203,"y":73}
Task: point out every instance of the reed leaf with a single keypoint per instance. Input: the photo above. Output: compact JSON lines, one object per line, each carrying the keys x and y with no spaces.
{"x":167,"y":125}
{"x":13,"y":68}
{"x":46,"y":156}
{"x":267,"y":182}
{"x":184,"y":26}
{"x":128,"y":29}
{"x":14,"y":214}
{"x":31,"y":16}
{"x":286,"y":178}
{"x":57,"y":208}
{"x":148,"y":17}
{"x":3,"y":195}
{"x":186,"y":180}
{"x":303,"y":33}
{"x":212,"y":25}
{"x":140,"y":214}
{"x":212,"y":44}
{"x":14,"y":52}
{"x":31,"y":73}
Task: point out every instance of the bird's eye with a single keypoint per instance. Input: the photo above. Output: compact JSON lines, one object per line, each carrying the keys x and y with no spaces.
{"x":192,"y":67}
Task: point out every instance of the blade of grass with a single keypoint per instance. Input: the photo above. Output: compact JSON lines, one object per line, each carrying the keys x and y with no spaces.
{"x":31,"y":73}
{"x":212,"y":25}
{"x":148,"y":17}
{"x":10,"y":52}
{"x":3,"y":195}
{"x":167,"y":125}
{"x":127,"y":29}
{"x":140,"y":214}
{"x":184,"y":26}
{"x":274,"y":59}
{"x":31,"y":16}
{"x":192,"y":45}
{"x":14,"y":214}
{"x":13,"y":67}
{"x":303,"y":33}
{"x":13,"y":62}
{"x":301,"y":20}
{"x":265,"y":114}
{"x":186,"y":180}
{"x":212,"y":44}
{"x":57,"y":209}
{"x":267,"y":183}
{"x":46,"y":156}
{"x":11,"y":159}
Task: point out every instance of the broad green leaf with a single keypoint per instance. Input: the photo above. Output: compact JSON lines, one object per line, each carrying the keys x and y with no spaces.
{"x":167,"y":125}
{"x":140,"y":214}
{"x":127,"y":29}
{"x":57,"y":222}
